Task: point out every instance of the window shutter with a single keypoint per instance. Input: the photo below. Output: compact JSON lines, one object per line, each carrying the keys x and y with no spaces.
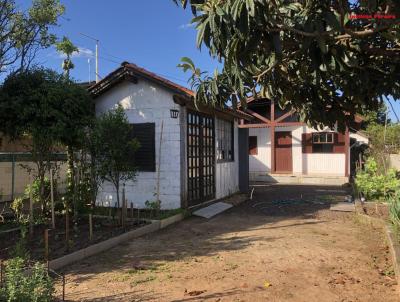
{"x":145,"y":156}
{"x":339,"y":143}
{"x":306,"y":141}
{"x":253,"y":150}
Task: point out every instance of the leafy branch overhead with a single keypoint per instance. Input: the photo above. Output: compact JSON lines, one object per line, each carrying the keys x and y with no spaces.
{"x":24,"y":32}
{"x":311,"y":55}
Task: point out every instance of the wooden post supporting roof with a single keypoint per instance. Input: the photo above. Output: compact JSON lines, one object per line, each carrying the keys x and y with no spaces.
{"x":273,"y":168}
{"x":272,"y":149}
{"x":347,"y":151}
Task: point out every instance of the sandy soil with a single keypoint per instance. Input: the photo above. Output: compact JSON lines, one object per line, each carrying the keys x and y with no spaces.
{"x":285,"y":245}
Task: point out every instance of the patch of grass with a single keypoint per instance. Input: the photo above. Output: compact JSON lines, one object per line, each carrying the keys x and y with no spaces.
{"x":118,"y":277}
{"x":388,"y":272}
{"x":135,"y":272}
{"x":145,"y":280}
{"x":231,"y":267}
{"x":217,"y":258}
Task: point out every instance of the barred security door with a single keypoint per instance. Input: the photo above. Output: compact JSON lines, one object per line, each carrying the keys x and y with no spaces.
{"x":201,"y":158}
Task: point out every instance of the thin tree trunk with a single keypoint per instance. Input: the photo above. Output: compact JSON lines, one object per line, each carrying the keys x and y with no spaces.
{"x":70,"y":190}
{"x":118,"y":203}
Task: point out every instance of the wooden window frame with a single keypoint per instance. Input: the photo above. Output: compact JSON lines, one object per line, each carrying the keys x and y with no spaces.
{"x":319,"y":134}
{"x":324,"y":147}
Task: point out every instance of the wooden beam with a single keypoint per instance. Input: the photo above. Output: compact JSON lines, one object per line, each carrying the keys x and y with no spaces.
{"x":287,"y":114}
{"x":288,"y":124}
{"x":347,"y":151}
{"x":254,"y":126}
{"x":272,"y":110}
{"x":264,"y":125}
{"x":272,"y":132}
{"x":259,"y":116}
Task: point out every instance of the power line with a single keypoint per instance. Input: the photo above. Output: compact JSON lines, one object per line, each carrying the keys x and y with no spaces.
{"x":105,"y":51}
{"x":394,"y":112}
{"x":119,"y":58}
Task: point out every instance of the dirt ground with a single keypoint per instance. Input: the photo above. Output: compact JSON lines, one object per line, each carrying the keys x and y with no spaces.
{"x":284,"y":245}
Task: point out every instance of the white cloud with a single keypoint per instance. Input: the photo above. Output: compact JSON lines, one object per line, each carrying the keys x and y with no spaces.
{"x":186,"y":26}
{"x":81,"y":53}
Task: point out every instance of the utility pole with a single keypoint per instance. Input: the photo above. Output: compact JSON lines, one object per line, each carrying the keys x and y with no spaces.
{"x":97,"y":54}
{"x":97,"y":61}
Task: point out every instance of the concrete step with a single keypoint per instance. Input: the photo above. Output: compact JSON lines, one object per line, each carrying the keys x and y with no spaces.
{"x":299,"y":179}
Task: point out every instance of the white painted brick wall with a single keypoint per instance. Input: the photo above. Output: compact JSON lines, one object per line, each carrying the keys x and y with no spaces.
{"x":146,"y":102}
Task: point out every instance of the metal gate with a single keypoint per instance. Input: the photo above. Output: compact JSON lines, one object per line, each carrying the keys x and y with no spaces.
{"x":201,"y":158}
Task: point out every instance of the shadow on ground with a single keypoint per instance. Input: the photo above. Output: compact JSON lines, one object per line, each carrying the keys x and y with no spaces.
{"x":195,"y":237}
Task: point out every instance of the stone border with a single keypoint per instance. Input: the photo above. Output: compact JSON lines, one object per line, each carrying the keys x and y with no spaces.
{"x":392,"y":241}
{"x":112,"y":242}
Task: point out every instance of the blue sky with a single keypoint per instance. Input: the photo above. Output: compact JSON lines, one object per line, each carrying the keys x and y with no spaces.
{"x":153,"y":34}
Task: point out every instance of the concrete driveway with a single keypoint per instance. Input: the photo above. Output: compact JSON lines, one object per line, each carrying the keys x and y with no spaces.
{"x":284,"y":245}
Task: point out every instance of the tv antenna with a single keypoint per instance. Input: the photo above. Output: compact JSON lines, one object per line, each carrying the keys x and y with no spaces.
{"x":97,"y":54}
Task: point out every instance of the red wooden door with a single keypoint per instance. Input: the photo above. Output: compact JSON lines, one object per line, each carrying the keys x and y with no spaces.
{"x":283,"y":152}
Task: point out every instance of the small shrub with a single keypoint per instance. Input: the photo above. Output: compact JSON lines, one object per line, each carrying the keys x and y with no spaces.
{"x":395,"y":209}
{"x":376,"y":186}
{"x":19,"y":250}
{"x":18,"y":206}
{"x":26,"y":285}
{"x":34,"y":191}
{"x":152,"y":205}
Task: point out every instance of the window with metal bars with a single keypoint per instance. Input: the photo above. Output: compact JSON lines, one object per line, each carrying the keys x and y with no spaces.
{"x":225,"y":140}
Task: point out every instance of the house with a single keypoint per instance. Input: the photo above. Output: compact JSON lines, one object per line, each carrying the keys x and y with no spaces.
{"x":188,"y":156}
{"x":284,"y":149}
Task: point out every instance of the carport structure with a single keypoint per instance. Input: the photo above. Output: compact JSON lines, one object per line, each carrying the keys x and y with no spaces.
{"x":291,"y":148}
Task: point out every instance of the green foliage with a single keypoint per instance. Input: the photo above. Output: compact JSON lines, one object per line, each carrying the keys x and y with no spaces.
{"x":394,"y":201}
{"x":383,"y":142}
{"x":26,"y":285}
{"x":38,"y":196}
{"x":308,"y":55}
{"x":33,"y":190}
{"x":378,"y":116}
{"x":374,"y":185}
{"x":17,"y":206}
{"x":24,"y":31}
{"x":20,"y":249}
{"x":66,"y":47}
{"x":47,"y":108}
{"x":113,"y":148}
{"x":152,"y":205}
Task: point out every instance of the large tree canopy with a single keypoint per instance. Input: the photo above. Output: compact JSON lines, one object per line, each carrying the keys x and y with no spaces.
{"x":43,"y":103}
{"x":319,"y":57}
{"x":47,"y":108}
{"x":24,"y":32}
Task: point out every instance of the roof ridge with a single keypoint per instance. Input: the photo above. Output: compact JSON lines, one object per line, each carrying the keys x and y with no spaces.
{"x":130,"y":65}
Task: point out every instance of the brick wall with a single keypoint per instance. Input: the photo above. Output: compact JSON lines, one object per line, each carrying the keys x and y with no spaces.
{"x":146,"y":102}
